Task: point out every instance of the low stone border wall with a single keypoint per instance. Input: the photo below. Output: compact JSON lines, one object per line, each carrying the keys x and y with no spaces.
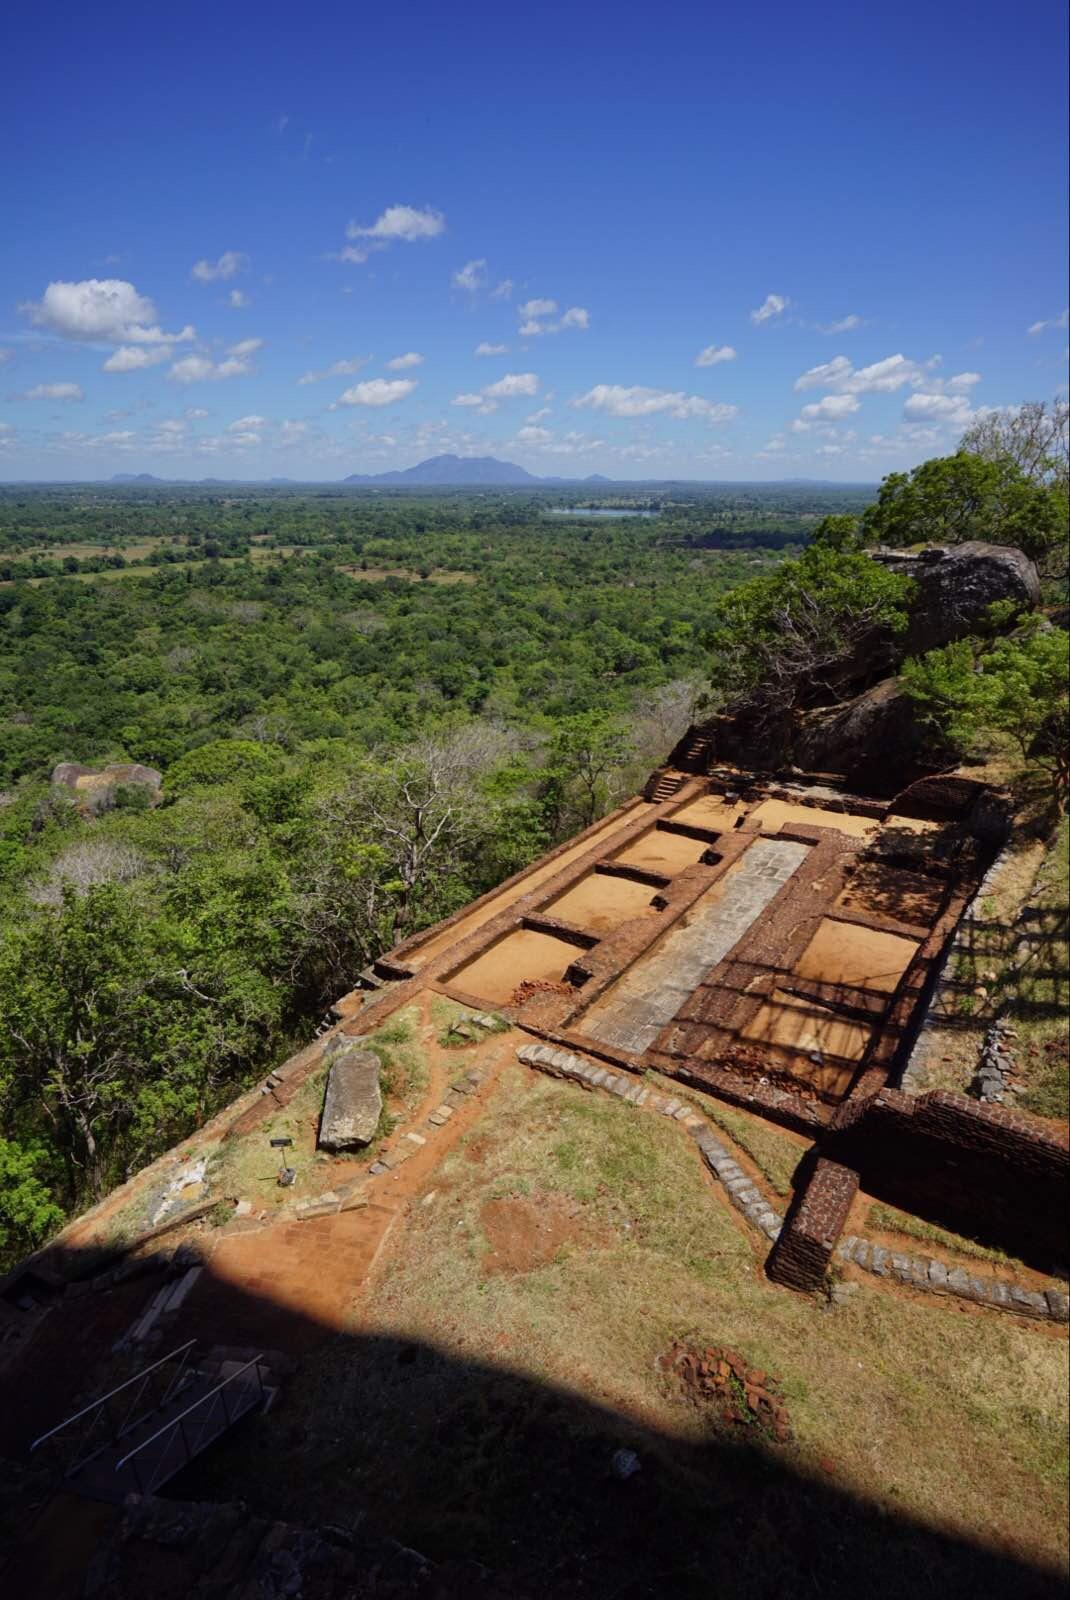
{"x":914,"y":1271}
{"x":743,"y":1193}
{"x":935,"y":1277}
{"x":912,"y":1079}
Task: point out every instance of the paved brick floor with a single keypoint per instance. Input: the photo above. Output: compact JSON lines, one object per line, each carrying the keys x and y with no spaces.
{"x":652,"y":992}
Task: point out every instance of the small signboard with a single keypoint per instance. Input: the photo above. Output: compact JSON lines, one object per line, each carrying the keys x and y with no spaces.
{"x":280,"y":1144}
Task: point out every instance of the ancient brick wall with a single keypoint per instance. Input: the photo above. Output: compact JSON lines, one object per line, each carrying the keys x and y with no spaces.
{"x":812,"y":1228}
{"x":985,"y":1171}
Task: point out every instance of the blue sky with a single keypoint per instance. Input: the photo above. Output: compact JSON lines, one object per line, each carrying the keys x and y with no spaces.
{"x":694,"y":240}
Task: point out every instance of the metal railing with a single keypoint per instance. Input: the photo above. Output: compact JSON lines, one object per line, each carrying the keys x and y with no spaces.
{"x":105,"y":1421}
{"x":191,"y":1433}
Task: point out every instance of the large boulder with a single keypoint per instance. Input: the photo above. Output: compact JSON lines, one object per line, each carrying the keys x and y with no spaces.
{"x":353,"y":1102}
{"x":872,"y":740}
{"x":956,"y":584}
{"x":95,"y":787}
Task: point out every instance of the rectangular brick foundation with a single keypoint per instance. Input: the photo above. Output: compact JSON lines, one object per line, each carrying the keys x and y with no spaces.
{"x":801,"y":1256}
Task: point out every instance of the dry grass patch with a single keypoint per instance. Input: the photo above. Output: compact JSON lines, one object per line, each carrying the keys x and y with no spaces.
{"x":774,"y":1151}
{"x":475,"y":1412}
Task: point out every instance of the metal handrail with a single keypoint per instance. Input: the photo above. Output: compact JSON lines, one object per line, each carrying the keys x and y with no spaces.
{"x":95,"y":1405}
{"x":176,"y":1423}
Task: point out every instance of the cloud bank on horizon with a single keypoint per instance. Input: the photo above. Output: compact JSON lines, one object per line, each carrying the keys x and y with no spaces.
{"x":666,"y":313}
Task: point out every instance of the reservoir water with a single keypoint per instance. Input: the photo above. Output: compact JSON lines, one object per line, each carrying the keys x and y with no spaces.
{"x":600,"y":511}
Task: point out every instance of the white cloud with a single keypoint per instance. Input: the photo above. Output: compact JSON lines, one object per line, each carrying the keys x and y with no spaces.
{"x":537,"y":308}
{"x":472,"y":276}
{"x":7,"y":355}
{"x":400,"y":363}
{"x":291,"y":432}
{"x":230,"y":263}
{"x":134,"y":357}
{"x":397,"y":223}
{"x":845,"y":325}
{"x":512,"y":384}
{"x":772,"y":306}
{"x":538,"y":416}
{"x":106,"y":309}
{"x":199,"y":369}
{"x":534,"y":315}
{"x":54,"y":391}
{"x":243,"y":424}
{"x":485,"y":349}
{"x":945,"y":408}
{"x":881,"y":377}
{"x":508,"y":387}
{"x":503,"y":290}
{"x":377,"y":392}
{"x":618,"y":401}
{"x":830,"y":409}
{"x":963,"y":380}
{"x":338,"y":369}
{"x":712,"y":356}
{"x":237,"y":301}
{"x":533,"y":437}
{"x":195,"y":413}
{"x":827,"y":375}
{"x":1061,"y":321}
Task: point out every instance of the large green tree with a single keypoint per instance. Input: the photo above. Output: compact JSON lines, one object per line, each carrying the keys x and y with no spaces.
{"x":951,"y":499}
{"x":792,"y":633}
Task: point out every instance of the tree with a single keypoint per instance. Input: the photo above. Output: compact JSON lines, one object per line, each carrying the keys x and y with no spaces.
{"x":118,"y":1030}
{"x":1034,"y":436}
{"x":587,"y":752}
{"x":28,"y":1212}
{"x":954,"y":498}
{"x":789,"y":636}
{"x":975,"y":691}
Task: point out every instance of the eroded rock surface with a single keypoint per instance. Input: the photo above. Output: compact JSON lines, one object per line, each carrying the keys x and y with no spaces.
{"x":956,"y":584}
{"x":353,"y":1102}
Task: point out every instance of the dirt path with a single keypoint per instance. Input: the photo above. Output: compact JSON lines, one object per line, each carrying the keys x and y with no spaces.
{"x":288,"y":1285}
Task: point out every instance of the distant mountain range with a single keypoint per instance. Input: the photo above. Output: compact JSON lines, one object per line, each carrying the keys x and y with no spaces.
{"x":471,"y":472}
{"x":463,"y":470}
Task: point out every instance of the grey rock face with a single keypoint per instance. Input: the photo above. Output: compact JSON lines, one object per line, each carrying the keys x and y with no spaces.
{"x":353,"y":1102}
{"x":956,"y":584}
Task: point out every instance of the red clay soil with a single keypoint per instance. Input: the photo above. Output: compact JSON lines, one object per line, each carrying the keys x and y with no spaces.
{"x":525,"y":1232}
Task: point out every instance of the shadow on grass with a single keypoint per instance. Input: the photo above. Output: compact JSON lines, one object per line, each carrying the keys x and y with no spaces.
{"x":502,"y":1482}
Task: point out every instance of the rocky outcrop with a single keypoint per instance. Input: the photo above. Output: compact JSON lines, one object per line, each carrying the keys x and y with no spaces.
{"x":873,"y":740}
{"x":353,"y":1103}
{"x":955,"y":585}
{"x":870,"y":735}
{"x":96,"y":788}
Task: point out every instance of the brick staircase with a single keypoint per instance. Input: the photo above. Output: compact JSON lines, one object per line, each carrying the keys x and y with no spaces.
{"x":695,"y":754}
{"x":665,"y":785}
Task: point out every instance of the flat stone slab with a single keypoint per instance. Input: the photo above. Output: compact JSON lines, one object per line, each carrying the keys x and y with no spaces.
{"x":353,"y":1102}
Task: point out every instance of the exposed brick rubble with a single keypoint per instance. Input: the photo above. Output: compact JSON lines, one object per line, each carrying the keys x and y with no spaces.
{"x":740,"y":1395}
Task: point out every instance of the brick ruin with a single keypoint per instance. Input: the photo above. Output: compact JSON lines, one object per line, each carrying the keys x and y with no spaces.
{"x":772,"y":943}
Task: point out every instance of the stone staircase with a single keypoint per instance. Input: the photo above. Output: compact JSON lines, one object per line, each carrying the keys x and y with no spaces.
{"x":665,"y":784}
{"x":694,"y":757}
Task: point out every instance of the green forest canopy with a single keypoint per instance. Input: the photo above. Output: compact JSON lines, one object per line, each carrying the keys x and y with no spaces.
{"x":347,"y":755}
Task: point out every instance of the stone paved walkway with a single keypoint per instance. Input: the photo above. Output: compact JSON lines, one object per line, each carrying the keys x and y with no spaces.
{"x":653,"y":991}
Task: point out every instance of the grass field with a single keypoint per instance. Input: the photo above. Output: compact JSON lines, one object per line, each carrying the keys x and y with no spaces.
{"x":510,"y":1340}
